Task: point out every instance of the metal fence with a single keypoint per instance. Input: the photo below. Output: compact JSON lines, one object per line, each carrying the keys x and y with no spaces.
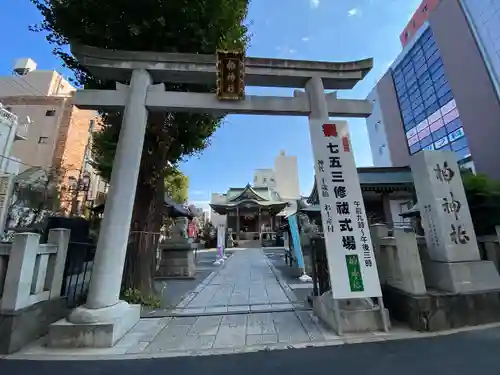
{"x":77,"y":272}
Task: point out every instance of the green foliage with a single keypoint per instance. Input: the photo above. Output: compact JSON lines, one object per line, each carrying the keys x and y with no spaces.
{"x":136,"y":297}
{"x":176,"y":185}
{"x":483,"y":196}
{"x":181,"y":26}
{"x":184,"y":26}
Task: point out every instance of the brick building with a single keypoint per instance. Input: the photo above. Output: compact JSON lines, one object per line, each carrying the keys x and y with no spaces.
{"x":58,"y":135}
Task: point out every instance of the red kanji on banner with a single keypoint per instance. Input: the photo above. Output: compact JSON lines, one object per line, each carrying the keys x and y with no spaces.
{"x":345,"y":143}
{"x":329,"y":130}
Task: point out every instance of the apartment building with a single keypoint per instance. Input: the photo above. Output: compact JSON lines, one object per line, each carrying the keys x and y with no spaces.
{"x":57,"y":137}
{"x":441,"y":91}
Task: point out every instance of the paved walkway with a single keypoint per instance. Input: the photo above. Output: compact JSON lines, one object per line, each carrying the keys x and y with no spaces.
{"x":245,"y":283}
{"x":244,"y":306}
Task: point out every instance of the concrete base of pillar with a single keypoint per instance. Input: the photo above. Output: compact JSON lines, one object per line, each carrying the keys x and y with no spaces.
{"x":462,"y":277}
{"x":92,"y":332}
{"x":355,"y":315}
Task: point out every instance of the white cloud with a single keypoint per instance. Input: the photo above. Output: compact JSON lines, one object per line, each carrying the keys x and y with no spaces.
{"x":305,"y":39}
{"x":314,"y":3}
{"x":292,"y":51}
{"x":353,"y":12}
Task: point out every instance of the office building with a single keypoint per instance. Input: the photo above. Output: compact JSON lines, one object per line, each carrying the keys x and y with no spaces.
{"x":439,"y":94}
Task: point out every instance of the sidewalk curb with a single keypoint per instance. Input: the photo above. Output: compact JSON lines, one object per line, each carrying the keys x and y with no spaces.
{"x":345,"y":340}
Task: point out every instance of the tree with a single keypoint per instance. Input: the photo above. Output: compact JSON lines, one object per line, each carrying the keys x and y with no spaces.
{"x":483,"y":196}
{"x":35,"y":195}
{"x":183,"y":26}
{"x":176,"y":185}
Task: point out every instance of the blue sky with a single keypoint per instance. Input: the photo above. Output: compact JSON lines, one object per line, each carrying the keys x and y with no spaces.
{"x":329,"y":30}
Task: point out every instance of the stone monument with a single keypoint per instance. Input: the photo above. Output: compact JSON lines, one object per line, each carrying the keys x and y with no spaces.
{"x":453,"y":263}
{"x":177,"y":258}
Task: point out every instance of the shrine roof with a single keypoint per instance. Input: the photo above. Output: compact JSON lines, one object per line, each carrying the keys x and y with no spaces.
{"x":250,"y":192}
{"x":377,"y":179}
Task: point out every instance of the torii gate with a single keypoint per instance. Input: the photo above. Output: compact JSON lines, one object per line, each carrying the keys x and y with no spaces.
{"x":104,"y":319}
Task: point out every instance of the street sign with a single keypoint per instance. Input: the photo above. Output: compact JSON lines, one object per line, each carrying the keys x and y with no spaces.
{"x":230,"y":75}
{"x":349,"y":250}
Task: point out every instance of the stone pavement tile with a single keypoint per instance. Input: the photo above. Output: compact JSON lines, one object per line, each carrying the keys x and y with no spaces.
{"x":195,"y":342}
{"x":289,"y":328}
{"x":260,"y":324}
{"x":129,"y":340}
{"x":183,"y":321}
{"x":240,"y":295}
{"x":283,"y":306}
{"x":216,"y":310}
{"x":191,"y":311}
{"x":230,"y":337}
{"x":204,"y":296}
{"x":261,"y":339}
{"x":138,"y":348}
{"x":186,"y":300}
{"x":327,"y":332}
{"x":205,"y":325}
{"x":240,"y":309}
{"x":234,"y":320}
{"x":261,"y":308}
{"x":222,"y":296}
{"x":170,"y":338}
{"x":310,"y":326}
{"x":232,"y":332}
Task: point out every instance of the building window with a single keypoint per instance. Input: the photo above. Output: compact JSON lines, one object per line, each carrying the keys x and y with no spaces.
{"x":43,"y":140}
{"x":50,"y":113}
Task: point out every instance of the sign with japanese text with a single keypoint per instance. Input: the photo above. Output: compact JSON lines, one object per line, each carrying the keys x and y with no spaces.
{"x":446,"y":218}
{"x":351,"y":261}
{"x":230,"y":75}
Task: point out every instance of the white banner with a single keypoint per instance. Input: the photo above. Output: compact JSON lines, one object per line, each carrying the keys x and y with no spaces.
{"x":221,"y":237}
{"x":351,"y":261}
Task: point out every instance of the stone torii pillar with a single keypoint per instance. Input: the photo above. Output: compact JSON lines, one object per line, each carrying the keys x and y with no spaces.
{"x":108,"y":316}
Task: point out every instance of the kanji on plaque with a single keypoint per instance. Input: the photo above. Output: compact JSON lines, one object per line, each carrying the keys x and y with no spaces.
{"x":352,"y":267}
{"x":230,"y":75}
{"x":354,"y":272}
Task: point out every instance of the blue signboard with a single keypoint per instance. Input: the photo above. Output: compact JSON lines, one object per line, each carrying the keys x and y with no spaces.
{"x":297,"y":248}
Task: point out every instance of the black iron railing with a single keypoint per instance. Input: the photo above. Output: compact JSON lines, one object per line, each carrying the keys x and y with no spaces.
{"x":321,"y":278}
{"x":77,"y":272}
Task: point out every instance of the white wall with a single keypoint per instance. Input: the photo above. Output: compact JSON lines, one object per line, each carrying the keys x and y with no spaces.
{"x":215,"y":218}
{"x":376,"y":133}
{"x":484,"y":17}
{"x":264,"y":178}
{"x":287,"y":176}
{"x":35,"y":83}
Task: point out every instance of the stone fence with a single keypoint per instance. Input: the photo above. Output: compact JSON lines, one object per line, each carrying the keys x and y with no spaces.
{"x":31,"y":272}
{"x":31,"y":276}
{"x":400,"y":252}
